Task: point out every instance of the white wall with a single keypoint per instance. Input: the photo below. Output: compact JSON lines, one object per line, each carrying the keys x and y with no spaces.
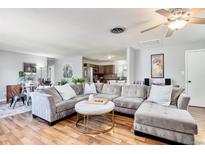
{"x":76,"y":63}
{"x":174,"y":59}
{"x":132,"y":61}
{"x":11,"y":63}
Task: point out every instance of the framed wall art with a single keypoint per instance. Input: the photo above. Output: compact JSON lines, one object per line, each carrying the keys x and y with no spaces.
{"x":157,"y":66}
{"x":29,"y":68}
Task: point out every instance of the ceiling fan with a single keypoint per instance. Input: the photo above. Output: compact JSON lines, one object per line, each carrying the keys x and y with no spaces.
{"x":177,"y":18}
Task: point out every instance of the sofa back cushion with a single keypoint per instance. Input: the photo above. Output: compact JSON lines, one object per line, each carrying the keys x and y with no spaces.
{"x":53,"y":92}
{"x":139,"y":91}
{"x":111,"y":89}
{"x":176,"y":92}
{"x":77,"y":88}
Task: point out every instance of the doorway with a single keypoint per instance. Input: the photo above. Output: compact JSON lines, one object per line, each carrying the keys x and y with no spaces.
{"x":195,"y":77}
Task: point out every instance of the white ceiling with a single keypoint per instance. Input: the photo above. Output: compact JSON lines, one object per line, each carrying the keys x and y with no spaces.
{"x":86,"y":32}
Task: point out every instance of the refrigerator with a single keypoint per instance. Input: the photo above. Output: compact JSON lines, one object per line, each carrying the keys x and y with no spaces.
{"x":88,"y":74}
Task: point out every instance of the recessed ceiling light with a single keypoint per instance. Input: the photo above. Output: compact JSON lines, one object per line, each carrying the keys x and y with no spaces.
{"x":117,"y":30}
{"x":109,"y":57}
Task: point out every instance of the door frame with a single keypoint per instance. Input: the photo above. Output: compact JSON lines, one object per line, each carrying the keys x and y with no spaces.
{"x":186,"y":66}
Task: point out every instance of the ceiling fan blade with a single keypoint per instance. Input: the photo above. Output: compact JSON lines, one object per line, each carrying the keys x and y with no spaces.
{"x":163,"y":12}
{"x":148,"y":29}
{"x":196,"y":10}
{"x":169,"y":33}
{"x":197,"y":20}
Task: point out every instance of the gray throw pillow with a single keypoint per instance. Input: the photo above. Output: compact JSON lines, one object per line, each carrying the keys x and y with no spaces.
{"x":77,"y":88}
{"x":99,"y":87}
{"x":176,"y":92}
{"x":148,"y":90}
{"x":183,"y":102}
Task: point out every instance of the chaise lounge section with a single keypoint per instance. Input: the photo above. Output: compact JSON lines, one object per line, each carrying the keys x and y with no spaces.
{"x":165,"y":122}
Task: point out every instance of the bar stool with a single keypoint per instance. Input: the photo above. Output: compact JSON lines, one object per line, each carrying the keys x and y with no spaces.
{"x":17,"y":98}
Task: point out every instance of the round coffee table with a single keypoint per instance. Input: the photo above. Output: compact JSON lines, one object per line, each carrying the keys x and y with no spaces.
{"x":86,"y":111}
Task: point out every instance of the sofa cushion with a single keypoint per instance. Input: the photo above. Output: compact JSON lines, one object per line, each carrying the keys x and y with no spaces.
{"x":108,"y":96}
{"x":79,"y":98}
{"x":164,"y":117}
{"x":77,"y":88}
{"x":126,"y":102}
{"x":65,"y":105}
{"x":176,"y":92}
{"x":53,"y":92}
{"x":111,"y":89}
{"x":134,"y":91}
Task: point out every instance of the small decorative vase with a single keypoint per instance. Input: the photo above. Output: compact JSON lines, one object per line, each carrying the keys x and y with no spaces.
{"x":91,"y":97}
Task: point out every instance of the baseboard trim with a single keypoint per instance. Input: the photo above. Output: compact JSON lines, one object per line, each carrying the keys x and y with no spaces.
{"x":2,"y":100}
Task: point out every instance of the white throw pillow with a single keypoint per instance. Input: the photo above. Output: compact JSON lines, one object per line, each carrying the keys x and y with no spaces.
{"x":66,"y":91}
{"x":160,"y":94}
{"x":90,"y":89}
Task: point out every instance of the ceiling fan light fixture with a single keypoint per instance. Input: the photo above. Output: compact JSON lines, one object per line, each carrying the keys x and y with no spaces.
{"x":177,"y":24}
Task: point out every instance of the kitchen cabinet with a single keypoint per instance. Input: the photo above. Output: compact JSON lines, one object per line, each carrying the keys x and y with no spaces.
{"x":101,"y":69}
{"x":109,"y":69}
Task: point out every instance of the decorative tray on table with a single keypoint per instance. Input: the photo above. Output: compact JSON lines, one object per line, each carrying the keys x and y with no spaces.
{"x":98,"y":101}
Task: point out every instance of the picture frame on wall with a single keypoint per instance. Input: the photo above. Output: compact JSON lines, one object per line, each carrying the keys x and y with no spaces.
{"x":157,"y":65}
{"x":29,"y":67}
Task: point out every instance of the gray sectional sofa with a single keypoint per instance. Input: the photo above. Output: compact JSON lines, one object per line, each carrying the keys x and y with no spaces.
{"x":173,"y":122}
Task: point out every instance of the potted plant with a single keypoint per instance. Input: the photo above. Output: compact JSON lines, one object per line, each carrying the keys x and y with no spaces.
{"x":47,"y":83}
{"x":62,"y":82}
{"x":22,"y":77}
{"x":78,"y":80}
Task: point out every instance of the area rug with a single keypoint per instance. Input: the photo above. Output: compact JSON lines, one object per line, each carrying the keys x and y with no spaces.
{"x":6,"y":110}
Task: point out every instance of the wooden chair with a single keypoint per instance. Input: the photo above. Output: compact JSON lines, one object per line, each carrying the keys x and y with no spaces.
{"x":14,"y":94}
{"x":11,"y":91}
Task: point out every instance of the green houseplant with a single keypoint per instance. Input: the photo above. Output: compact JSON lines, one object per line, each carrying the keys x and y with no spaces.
{"x":47,"y":82}
{"x":78,"y":80}
{"x":22,"y":74}
{"x":62,"y":82}
{"x":22,"y":77}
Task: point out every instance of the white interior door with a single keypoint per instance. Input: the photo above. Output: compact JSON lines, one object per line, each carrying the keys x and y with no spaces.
{"x":195,"y":79}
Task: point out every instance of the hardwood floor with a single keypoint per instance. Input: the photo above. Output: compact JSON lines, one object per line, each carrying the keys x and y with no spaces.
{"x":23,"y":129}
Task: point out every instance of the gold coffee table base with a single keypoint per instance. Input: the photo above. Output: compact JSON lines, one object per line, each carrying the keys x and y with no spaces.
{"x":83,"y":121}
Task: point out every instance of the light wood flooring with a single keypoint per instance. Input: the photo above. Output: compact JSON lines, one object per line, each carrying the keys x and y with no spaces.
{"x":23,"y":129}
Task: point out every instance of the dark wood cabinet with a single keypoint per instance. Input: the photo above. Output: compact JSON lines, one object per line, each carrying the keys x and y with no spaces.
{"x":95,"y":68}
{"x":102,"y":73}
{"x":12,"y":90}
{"x":101,"y":69}
{"x":109,"y":69}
